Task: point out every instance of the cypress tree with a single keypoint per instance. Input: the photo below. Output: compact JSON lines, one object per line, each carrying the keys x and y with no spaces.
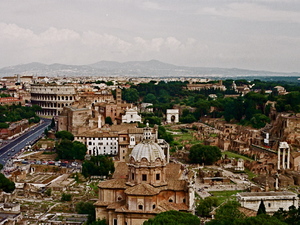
{"x":261,"y":208}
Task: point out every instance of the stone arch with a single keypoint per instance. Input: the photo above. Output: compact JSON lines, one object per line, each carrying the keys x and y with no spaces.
{"x":172,"y":115}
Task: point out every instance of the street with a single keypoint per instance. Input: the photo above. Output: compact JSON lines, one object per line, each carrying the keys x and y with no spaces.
{"x":15,"y":145}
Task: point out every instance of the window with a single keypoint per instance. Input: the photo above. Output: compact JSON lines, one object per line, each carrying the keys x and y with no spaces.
{"x":154,"y":206}
{"x":157,"y":176}
{"x":115,"y":222}
{"x":132,"y":176}
{"x":170,"y":200}
{"x":269,"y":204}
{"x":140,"y":207}
{"x":144,"y":177}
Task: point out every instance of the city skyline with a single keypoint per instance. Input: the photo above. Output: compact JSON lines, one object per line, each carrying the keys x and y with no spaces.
{"x":255,"y":35}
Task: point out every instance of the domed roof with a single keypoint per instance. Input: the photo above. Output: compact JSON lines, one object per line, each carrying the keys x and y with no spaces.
{"x":147,"y":148}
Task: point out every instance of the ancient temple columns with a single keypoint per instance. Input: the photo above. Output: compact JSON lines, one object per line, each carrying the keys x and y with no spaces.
{"x":284,"y":158}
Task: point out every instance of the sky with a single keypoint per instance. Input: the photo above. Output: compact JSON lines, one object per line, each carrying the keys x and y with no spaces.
{"x":247,"y":34}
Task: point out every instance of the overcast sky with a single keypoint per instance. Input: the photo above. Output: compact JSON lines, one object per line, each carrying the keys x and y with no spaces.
{"x":257,"y":34}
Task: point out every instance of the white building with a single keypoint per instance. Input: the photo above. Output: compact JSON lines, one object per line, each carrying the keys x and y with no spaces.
{"x":102,"y":144}
{"x":131,"y":116}
{"x":272,"y":200}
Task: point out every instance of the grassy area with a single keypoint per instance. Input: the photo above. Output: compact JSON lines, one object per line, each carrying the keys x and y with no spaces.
{"x":222,"y":196}
{"x":186,"y":137}
{"x":236,"y":156}
{"x":250,"y":174}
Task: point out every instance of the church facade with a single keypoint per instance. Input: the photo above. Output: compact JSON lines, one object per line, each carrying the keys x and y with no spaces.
{"x":145,"y":186}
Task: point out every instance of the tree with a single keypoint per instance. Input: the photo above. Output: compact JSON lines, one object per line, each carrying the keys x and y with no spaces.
{"x":98,"y":166}
{"x":261,"y":208}
{"x":259,"y":120}
{"x":109,"y":83}
{"x":4,"y":125}
{"x":150,"y":98}
{"x":206,"y":205}
{"x":86,"y":208}
{"x":6,"y":185}
{"x":108,"y":120}
{"x":291,"y":216}
{"x":173,"y":218}
{"x":52,"y":125}
{"x":130,"y":95}
{"x":261,"y":219}
{"x":228,"y":213}
{"x":163,"y":134}
{"x":204,"y":154}
{"x":64,"y":135}
{"x":66,"y":197}
{"x":67,"y":149}
{"x":99,"y":222}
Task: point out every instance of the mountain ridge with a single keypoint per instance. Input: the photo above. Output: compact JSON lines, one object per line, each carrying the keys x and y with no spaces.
{"x":149,"y":68}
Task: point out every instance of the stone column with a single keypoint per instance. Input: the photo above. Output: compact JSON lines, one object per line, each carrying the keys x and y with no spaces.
{"x":288,"y":158}
{"x":283,"y":158}
{"x":278,"y":162}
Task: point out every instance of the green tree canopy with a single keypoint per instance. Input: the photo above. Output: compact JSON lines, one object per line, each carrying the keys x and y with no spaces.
{"x":6,"y":185}
{"x":130,"y":95}
{"x":291,"y":216}
{"x":206,"y":205}
{"x":173,"y":218}
{"x":204,"y":154}
{"x":4,"y":125}
{"x":108,"y":120}
{"x":67,"y":149}
{"x":150,"y":98}
{"x":98,"y":166}
{"x":227,"y":213}
{"x":86,"y":208}
{"x":64,"y":135}
{"x":65,"y":197}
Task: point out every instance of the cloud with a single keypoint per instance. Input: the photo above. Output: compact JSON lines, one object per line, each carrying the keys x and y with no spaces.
{"x":54,"y":45}
{"x":252,"y":12}
{"x":69,"y":46}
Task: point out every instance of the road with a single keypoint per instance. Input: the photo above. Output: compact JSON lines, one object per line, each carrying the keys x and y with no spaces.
{"x":28,"y":137}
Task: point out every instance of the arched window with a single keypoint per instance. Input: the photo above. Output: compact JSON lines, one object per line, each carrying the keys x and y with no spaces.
{"x":170,"y":200}
{"x":140,"y":207}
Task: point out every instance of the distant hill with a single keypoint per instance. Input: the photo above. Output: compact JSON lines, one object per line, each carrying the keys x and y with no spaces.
{"x":152,"y":68}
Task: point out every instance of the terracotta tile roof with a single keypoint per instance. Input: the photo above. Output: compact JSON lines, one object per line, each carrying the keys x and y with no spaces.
{"x":173,"y":171}
{"x":121,"y":127}
{"x":114,"y":183}
{"x":142,"y":189}
{"x":101,"y":203}
{"x":116,"y":204}
{"x":97,"y":133}
{"x":136,"y":131}
{"x":176,"y":185}
{"x":247,"y":212}
{"x":166,"y":206}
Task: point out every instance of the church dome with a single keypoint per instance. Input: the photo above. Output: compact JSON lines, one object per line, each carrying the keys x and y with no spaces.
{"x":147,"y":149}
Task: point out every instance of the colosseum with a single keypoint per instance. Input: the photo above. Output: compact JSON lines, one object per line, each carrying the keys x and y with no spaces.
{"x":52,"y":97}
